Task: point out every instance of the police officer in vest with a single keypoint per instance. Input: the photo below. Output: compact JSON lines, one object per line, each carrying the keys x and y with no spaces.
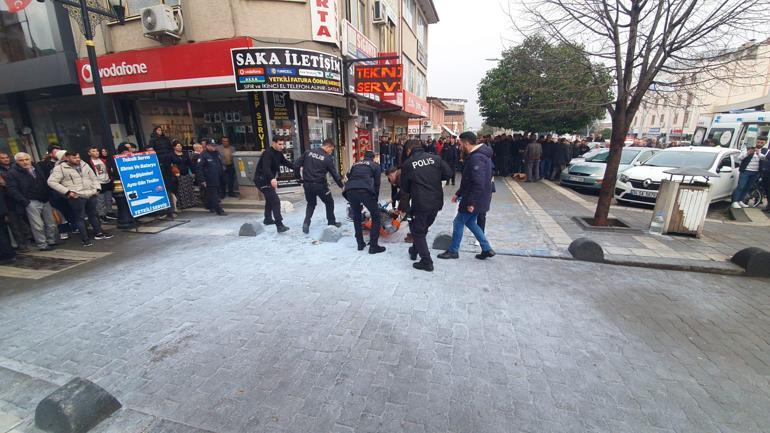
{"x":312,"y":168}
{"x":363,"y":189}
{"x":422,"y":177}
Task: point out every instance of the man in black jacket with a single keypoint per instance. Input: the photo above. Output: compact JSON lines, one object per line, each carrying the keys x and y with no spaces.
{"x":450,"y":155}
{"x":28,"y":188}
{"x":474,"y":195}
{"x":7,"y":254}
{"x":422,"y":177}
{"x":312,"y":168}
{"x":210,"y":170}
{"x":266,"y":179}
{"x":363,"y":189}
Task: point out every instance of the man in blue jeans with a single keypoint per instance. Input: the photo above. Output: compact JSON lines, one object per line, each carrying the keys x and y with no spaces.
{"x":474,"y":195}
{"x":750,"y":160}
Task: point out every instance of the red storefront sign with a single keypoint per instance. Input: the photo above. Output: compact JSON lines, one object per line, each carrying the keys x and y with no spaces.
{"x":179,"y":66}
{"x":413,"y":104}
{"x":378,"y":78}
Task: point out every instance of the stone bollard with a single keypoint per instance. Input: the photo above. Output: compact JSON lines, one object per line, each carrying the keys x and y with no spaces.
{"x":249,"y":229}
{"x":586,"y":250}
{"x":75,"y":407}
{"x":442,"y":242}
{"x":755,"y":261}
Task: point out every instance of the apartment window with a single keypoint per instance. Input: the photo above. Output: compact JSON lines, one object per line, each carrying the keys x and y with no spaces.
{"x":388,"y":37}
{"x":356,"y":14}
{"x":686,"y":117}
{"x":676,"y":117}
{"x":362,"y":27}
{"x":652,"y":122}
{"x":420,"y":84}
{"x":663,"y":119}
{"x":409,"y":12}
{"x":409,"y":78}
{"x":421,"y":29}
{"x":133,"y":7}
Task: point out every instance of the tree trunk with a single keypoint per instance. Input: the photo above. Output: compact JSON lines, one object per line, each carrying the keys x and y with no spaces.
{"x":619,"y":130}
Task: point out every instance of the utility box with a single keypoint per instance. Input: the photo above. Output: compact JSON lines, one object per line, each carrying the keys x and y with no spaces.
{"x":682,"y":205}
{"x":245,"y":166}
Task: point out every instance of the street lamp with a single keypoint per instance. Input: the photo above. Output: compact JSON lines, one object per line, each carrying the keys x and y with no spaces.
{"x":80,"y":10}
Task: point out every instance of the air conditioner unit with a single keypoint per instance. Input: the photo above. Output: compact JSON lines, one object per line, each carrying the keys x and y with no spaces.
{"x":352,"y":107}
{"x":380,"y":15}
{"x":159,"y":20}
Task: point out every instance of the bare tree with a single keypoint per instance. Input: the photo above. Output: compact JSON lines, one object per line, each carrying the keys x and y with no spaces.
{"x":662,"y":44}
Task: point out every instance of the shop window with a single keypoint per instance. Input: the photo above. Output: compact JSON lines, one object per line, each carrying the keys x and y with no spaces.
{"x":135,"y":6}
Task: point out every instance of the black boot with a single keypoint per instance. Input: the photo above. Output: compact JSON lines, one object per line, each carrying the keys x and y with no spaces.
{"x":485,"y":254}
{"x":412,"y":253}
{"x":338,"y":225}
{"x":268,"y":222}
{"x":306,"y":227}
{"x":423,"y":266}
{"x":281,"y":228}
{"x":448,"y":255}
{"x":376,"y":249}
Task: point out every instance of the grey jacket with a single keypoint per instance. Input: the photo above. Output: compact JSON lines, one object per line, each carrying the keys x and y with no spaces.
{"x":65,"y":178}
{"x":534,"y":151}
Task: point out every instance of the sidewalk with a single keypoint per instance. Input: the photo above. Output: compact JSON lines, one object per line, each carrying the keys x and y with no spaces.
{"x":554,"y":207}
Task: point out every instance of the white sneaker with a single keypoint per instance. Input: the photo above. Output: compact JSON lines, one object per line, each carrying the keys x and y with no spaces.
{"x":744,"y":205}
{"x":735,"y":205}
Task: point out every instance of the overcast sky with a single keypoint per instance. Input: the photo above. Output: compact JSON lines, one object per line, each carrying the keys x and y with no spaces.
{"x":466,"y":34}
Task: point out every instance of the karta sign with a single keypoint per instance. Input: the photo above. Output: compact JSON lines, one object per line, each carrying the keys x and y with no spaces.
{"x":323,"y":19}
{"x":142,"y":183}
{"x":379,"y":79}
{"x":282,"y":69}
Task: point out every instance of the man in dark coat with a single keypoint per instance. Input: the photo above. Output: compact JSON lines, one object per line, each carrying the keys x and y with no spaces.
{"x":7,"y":254}
{"x":312,"y":167}
{"x":210,"y":171}
{"x":450,"y":155}
{"x":422,"y":176}
{"x":363,"y":190}
{"x":562,"y":155}
{"x":474,"y":195}
{"x":28,"y":188}
{"x":266,"y":179}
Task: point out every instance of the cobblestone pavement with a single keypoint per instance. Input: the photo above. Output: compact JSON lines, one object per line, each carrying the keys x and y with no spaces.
{"x":280,"y":334}
{"x":720,"y":241}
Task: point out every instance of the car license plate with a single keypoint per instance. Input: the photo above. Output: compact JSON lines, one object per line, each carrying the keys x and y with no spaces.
{"x":649,"y":194}
{"x":575,"y":179}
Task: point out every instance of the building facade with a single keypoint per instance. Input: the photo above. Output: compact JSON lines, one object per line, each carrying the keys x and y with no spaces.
{"x":183,"y":79}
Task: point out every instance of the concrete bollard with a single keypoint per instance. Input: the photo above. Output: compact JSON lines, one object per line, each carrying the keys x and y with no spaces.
{"x":442,"y":242}
{"x":331,"y":234}
{"x":249,"y":229}
{"x":586,"y":250}
{"x":75,"y":407}
{"x":755,"y":261}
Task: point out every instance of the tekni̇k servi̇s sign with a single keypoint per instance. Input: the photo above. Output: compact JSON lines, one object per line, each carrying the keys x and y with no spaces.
{"x":142,"y":182}
{"x":286,"y":69}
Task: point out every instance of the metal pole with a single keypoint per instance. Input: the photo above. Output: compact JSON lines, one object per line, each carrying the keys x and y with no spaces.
{"x":97,"y":79}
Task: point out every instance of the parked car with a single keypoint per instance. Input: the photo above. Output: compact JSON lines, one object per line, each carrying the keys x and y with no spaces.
{"x":641,"y":184}
{"x":583,"y":157}
{"x":589,"y":173}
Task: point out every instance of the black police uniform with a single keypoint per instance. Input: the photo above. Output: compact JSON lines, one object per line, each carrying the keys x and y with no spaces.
{"x":210,"y":170}
{"x":363,"y":189}
{"x":422,"y":176}
{"x":268,"y":167}
{"x":314,"y":165}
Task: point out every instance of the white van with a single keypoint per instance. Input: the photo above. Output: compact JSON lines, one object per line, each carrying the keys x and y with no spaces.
{"x":733,"y":130}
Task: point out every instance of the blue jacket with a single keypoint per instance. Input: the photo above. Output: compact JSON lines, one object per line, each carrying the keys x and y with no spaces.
{"x":210,"y":169}
{"x":476,"y":185}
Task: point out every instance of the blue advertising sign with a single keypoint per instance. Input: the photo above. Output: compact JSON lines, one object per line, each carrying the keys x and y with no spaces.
{"x":142,"y":183}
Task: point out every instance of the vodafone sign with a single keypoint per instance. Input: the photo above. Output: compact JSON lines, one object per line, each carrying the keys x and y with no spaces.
{"x":113,"y":71}
{"x":178,"y":66}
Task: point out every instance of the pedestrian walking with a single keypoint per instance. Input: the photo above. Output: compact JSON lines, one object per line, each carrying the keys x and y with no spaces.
{"x":363,"y":190}
{"x":474,"y":197}
{"x":312,"y":167}
{"x":450,"y":155}
{"x":422,"y":177}
{"x":532,"y":156}
{"x":210,"y":173}
{"x":75,"y":180}
{"x":28,"y":188}
{"x":749,"y":159}
{"x":266,"y":179}
{"x":226,"y":153}
{"x":7,"y":254}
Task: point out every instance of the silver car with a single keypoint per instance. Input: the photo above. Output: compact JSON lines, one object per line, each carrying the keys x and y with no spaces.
{"x":590,"y":173}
